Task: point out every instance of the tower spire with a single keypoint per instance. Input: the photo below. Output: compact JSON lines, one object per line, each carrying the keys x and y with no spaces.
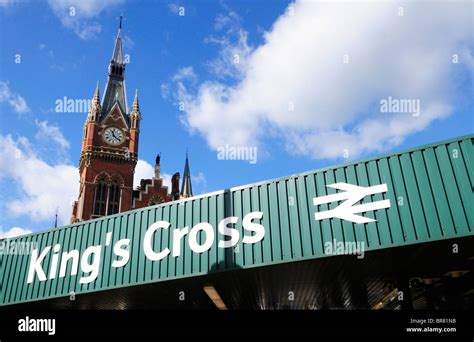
{"x":118,"y":50}
{"x":186,"y":187}
{"x":115,"y":92}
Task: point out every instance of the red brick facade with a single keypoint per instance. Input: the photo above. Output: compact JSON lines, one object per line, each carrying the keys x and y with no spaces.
{"x":151,"y":192}
{"x":114,"y":165}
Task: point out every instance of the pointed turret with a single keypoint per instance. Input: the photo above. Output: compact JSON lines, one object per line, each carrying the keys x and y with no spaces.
{"x":135,"y":115}
{"x":136,"y":105}
{"x":186,"y":187}
{"x":115,"y":87}
{"x":95,"y":107}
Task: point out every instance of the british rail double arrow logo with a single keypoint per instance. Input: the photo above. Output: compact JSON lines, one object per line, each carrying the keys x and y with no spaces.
{"x":348,"y":209}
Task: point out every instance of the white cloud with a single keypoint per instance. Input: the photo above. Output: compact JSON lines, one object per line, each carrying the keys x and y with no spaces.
{"x":296,"y":88}
{"x":6,"y":3}
{"x":199,"y":183}
{"x":165,"y":90}
{"x":43,"y":187}
{"x":17,"y":102}
{"x":229,"y":21}
{"x":199,"y":179}
{"x":144,"y":170}
{"x":79,"y":15}
{"x":173,"y":8}
{"x":13,"y":232}
{"x":49,"y":132}
{"x":166,"y":180}
{"x":235,"y":51}
{"x":184,"y":73}
{"x":128,"y":43}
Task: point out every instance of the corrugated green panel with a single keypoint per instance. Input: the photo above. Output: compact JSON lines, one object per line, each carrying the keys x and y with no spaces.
{"x":380,"y":225}
{"x":335,"y":224}
{"x":223,"y":205}
{"x":267,"y":239}
{"x":303,"y":216}
{"x":370,"y":228}
{"x":238,"y":255}
{"x":274,"y":225}
{"x":146,"y":266}
{"x":195,"y":258}
{"x":16,"y":285}
{"x":347,"y":226}
{"x":294,"y":219}
{"x":324,"y":231}
{"x":460,"y":169}
{"x":439,"y":193}
{"x":138,"y":270}
{"x":468,"y":157}
{"x":452,"y":189}
{"x":257,"y":250}
{"x":358,"y":234}
{"x":284,"y":220}
{"x":248,"y":254}
{"x":204,"y":217}
{"x":430,"y":190}
{"x":213,"y":221}
{"x":117,"y":275}
{"x":132,"y":235}
{"x":394,"y":223}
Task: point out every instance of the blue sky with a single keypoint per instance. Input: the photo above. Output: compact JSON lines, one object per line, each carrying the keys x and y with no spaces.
{"x":302,"y":82}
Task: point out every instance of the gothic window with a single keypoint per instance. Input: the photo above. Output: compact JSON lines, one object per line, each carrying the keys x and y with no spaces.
{"x":114,"y":195}
{"x":114,"y":198}
{"x":100,"y":197}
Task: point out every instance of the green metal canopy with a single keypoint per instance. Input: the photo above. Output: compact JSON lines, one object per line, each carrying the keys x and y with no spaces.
{"x":411,"y":197}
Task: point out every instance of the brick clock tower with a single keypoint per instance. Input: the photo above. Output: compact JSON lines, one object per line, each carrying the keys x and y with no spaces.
{"x":110,"y":153}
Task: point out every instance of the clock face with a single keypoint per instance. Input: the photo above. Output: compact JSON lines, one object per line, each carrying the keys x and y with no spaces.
{"x":113,"y":136}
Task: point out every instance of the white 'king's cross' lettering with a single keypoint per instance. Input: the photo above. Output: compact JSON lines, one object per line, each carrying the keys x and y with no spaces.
{"x":352,"y":194}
